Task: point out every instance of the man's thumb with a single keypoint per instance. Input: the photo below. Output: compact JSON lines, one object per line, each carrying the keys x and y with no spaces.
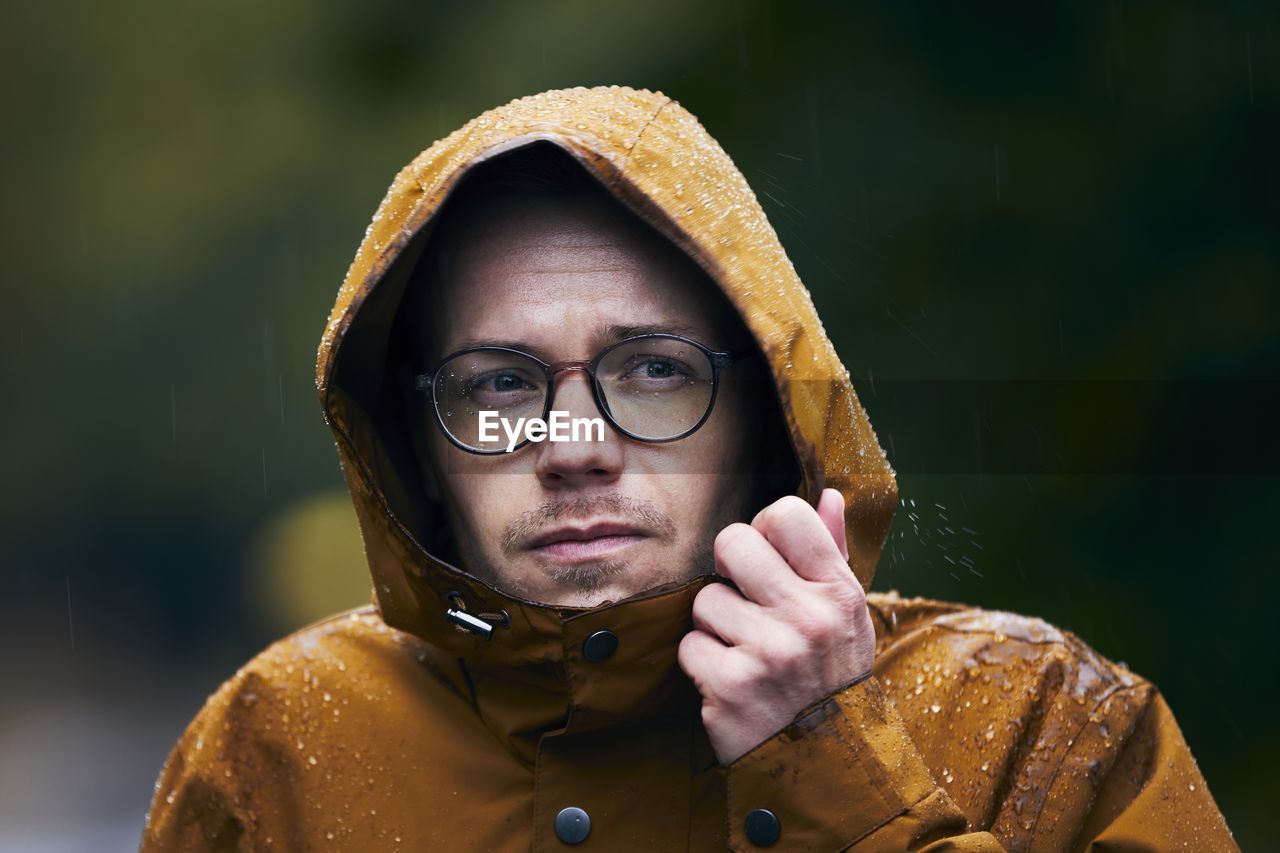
{"x":831,"y":511}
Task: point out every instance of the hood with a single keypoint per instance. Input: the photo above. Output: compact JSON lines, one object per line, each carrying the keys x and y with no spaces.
{"x":657,"y":160}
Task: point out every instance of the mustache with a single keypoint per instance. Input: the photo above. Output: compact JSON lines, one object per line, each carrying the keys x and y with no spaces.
{"x":642,"y":513}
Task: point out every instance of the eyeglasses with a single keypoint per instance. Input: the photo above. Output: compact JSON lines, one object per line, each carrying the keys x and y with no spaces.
{"x":653,"y":388}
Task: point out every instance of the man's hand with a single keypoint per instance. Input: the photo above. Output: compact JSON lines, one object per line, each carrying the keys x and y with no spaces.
{"x":796,"y":629}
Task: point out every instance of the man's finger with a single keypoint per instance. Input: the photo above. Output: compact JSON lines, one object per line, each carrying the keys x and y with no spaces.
{"x":802,"y":538}
{"x":723,"y":612}
{"x":744,"y":556}
{"x":700,"y":655}
{"x":831,"y":511}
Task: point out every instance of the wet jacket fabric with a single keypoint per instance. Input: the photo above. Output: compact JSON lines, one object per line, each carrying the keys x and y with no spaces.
{"x":391,"y":727}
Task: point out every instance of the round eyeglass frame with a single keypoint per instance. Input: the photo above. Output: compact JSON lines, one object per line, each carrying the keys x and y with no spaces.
{"x":720,"y":359}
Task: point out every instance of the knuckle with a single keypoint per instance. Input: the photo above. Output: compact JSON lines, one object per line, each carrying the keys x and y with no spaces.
{"x":790,"y":650}
{"x":712,"y":595}
{"x":730,"y":540}
{"x":787,"y":508}
{"x":703,"y":605}
{"x":820,"y":624}
{"x":850,"y":597}
{"x":694,"y":665}
{"x":701,"y":600}
{"x":736,"y":682}
{"x":712,"y":714}
{"x":686,"y":651}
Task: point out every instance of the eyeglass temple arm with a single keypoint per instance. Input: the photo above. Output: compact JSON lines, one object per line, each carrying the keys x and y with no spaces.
{"x":724,"y":359}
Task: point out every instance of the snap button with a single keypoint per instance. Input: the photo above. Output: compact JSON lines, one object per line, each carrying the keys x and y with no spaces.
{"x":762,"y":827}
{"x":573,"y":825}
{"x":600,"y":646}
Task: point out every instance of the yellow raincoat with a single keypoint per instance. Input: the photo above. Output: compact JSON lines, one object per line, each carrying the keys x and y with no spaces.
{"x":392,"y":728}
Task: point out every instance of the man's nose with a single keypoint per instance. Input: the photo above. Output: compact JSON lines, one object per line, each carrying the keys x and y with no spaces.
{"x":584,"y":462}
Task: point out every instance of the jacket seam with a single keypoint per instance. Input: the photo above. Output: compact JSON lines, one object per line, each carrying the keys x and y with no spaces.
{"x":626,"y":155}
{"x":1053,"y":777}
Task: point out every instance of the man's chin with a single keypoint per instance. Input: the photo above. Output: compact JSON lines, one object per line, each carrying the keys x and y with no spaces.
{"x":587,"y":577}
{"x":593,"y":582}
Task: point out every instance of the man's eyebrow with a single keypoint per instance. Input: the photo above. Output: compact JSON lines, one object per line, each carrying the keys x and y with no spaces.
{"x":616,"y":332}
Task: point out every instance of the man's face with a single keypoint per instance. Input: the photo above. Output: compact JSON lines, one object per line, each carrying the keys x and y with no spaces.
{"x":577,"y":523}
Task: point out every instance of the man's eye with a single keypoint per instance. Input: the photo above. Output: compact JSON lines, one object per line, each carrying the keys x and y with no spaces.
{"x":654,"y":368}
{"x":497,"y":383}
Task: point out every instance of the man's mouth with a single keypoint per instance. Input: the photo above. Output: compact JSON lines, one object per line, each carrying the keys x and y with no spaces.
{"x":589,"y":542}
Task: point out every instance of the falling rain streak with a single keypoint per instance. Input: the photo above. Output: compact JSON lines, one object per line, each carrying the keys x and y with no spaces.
{"x":934,"y":530}
{"x":909,"y":331}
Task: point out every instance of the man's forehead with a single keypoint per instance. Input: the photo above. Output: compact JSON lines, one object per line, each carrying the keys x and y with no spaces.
{"x":574,"y":315}
{"x":546,"y":274}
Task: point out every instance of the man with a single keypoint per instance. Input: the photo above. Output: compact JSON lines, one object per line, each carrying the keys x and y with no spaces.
{"x":653,"y":637}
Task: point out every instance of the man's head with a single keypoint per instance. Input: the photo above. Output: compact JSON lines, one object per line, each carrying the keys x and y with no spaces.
{"x":531,"y":253}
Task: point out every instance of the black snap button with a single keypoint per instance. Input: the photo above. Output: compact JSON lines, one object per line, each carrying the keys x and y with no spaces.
{"x":600,"y":646}
{"x":573,"y":825}
{"x":762,"y":827}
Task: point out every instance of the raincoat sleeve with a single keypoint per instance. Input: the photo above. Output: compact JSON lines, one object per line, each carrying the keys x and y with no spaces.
{"x":223,"y":786}
{"x":1154,"y":796}
{"x":192,"y":810}
{"x":845,"y":775}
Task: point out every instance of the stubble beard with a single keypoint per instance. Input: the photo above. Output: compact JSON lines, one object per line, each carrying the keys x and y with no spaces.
{"x":591,"y":575}
{"x":594,"y":575}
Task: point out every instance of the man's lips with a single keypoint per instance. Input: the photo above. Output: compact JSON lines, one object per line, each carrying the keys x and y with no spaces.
{"x":582,"y":543}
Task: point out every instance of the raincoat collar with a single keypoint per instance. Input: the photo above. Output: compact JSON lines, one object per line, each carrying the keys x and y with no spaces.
{"x":656,"y":159}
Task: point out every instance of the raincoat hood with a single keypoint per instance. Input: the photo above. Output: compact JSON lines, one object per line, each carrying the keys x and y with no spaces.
{"x":655,"y":158}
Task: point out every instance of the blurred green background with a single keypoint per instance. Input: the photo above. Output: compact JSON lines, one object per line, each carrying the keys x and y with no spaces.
{"x":999,"y":192}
